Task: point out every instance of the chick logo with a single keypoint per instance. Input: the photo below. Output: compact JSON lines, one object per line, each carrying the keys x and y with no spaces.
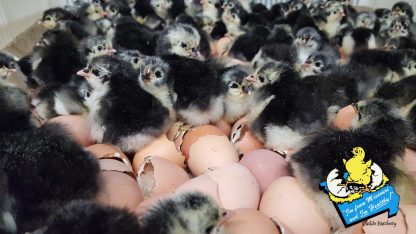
{"x":362,"y":192}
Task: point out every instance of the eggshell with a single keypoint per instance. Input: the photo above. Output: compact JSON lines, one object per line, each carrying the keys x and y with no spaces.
{"x":202,"y":184}
{"x":374,"y":225}
{"x":285,"y":202}
{"x":409,"y":212}
{"x":195,"y":133}
{"x":162,"y":148}
{"x":266,"y":166}
{"x":157,"y":175}
{"x":119,"y":190}
{"x":224,"y":126}
{"x":77,"y":127}
{"x":111,"y":164}
{"x":148,"y":203}
{"x":344,"y":118}
{"x":243,"y":139}
{"x":249,"y":221}
{"x":106,"y":150}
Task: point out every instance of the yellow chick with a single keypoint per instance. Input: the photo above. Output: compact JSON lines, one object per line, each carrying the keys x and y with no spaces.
{"x":358,"y":170}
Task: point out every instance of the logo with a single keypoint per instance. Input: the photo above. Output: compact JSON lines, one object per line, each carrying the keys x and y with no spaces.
{"x":363,"y":190}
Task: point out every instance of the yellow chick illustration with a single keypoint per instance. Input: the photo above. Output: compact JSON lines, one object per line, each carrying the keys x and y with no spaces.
{"x":358,"y":170}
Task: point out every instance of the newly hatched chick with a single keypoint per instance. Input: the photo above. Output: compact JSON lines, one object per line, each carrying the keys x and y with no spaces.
{"x":384,"y":19}
{"x":52,"y":16}
{"x":167,"y":9}
{"x":15,"y":113}
{"x":212,"y":9}
{"x":317,"y":63}
{"x":234,"y":17}
{"x":402,"y":9}
{"x":55,"y":58}
{"x":120,"y":111}
{"x":283,"y":112}
{"x":379,"y":130}
{"x":399,"y":27}
{"x":81,"y":217}
{"x":95,"y":46}
{"x":236,"y":98}
{"x":53,"y":167}
{"x":399,"y":43}
{"x":179,"y":39}
{"x":186,"y":213}
{"x":308,"y":40}
{"x":89,"y":14}
{"x":10,"y":73}
{"x":329,"y":20}
{"x":194,"y":85}
{"x":134,"y":57}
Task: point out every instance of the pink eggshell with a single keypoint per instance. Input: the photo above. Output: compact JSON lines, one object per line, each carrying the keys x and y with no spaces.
{"x":344,"y":118}
{"x":237,"y":187}
{"x":162,"y":148}
{"x":158,"y":175}
{"x":375,"y":224}
{"x":211,"y":151}
{"x":148,"y":203}
{"x":201,"y":184}
{"x":77,"y":127}
{"x":119,"y":190}
{"x":243,"y":139}
{"x":285,"y":202}
{"x":224,"y":126}
{"x":409,"y":212}
{"x":249,"y":221}
{"x":266,"y":166}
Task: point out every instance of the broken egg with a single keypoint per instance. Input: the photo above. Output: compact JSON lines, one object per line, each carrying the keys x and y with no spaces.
{"x":285,"y":202}
{"x":243,"y":139}
{"x":149,"y":202}
{"x":102,"y":151}
{"x":77,"y":127}
{"x":162,"y":148}
{"x":158,"y":175}
{"x":248,"y":221}
{"x":224,"y":126}
{"x":232,"y":186}
{"x":266,"y":166}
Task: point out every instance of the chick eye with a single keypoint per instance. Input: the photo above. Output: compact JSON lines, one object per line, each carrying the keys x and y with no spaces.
{"x":318,"y":64}
{"x":261,"y":79}
{"x":234,"y":16}
{"x":234,"y":85}
{"x":183,"y":45}
{"x":209,"y":229}
{"x":95,"y":72}
{"x":158,"y":74}
{"x":157,"y":5}
{"x":97,"y":11}
{"x":402,"y":11}
{"x":136,"y":60}
{"x":48,"y":18}
{"x":100,"y":48}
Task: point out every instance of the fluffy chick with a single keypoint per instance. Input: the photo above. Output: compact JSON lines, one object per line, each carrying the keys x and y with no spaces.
{"x":81,"y":217}
{"x":120,"y":111}
{"x":317,"y":63}
{"x":55,"y":169}
{"x":95,"y":46}
{"x":10,"y":73}
{"x":186,"y":213}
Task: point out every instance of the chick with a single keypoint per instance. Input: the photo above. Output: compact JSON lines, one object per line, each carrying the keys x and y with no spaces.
{"x":167,"y":9}
{"x":81,"y":217}
{"x":15,"y":110}
{"x":120,"y":111}
{"x":378,"y":129}
{"x":180,"y":39}
{"x":234,"y":17}
{"x":186,"y":213}
{"x":279,"y":116}
{"x":49,"y":164}
{"x":95,"y":46}
{"x":330,"y":18}
{"x":52,"y":16}
{"x":384,"y":19}
{"x":317,"y":63}
{"x":10,"y":73}
{"x":196,"y":90}
{"x":89,"y":14}
{"x":402,"y":9}
{"x":236,"y":98}
{"x":134,"y":57}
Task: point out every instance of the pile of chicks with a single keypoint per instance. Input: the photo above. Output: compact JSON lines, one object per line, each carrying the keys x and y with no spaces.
{"x":212,"y":116}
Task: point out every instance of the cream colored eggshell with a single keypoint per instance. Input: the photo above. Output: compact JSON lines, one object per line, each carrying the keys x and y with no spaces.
{"x":249,"y":221}
{"x":111,"y":164}
{"x":287,"y":203}
{"x":344,"y":118}
{"x":148,"y":203}
{"x":119,"y":190}
{"x":77,"y":127}
{"x":158,"y":175}
{"x":266,"y":166}
{"x":105,"y":150}
{"x":162,"y":148}
{"x":211,"y":151}
{"x":237,"y":187}
{"x":224,"y":126}
{"x":191,"y":136}
{"x":202,"y":184}
{"x":372,"y":226}
{"x":243,"y":139}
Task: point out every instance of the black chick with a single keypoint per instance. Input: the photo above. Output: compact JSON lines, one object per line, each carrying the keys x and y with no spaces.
{"x":10,"y":73}
{"x":134,"y":57}
{"x":402,"y":9}
{"x":85,"y":217}
{"x":399,"y":27}
{"x":379,"y":130}
{"x":283,"y":112}
{"x":95,"y":46}
{"x":247,"y":45}
{"x":120,"y":111}
{"x":55,"y":58}
{"x":185,"y":213}
{"x":45,"y":170}
{"x":167,"y":9}
{"x":180,"y":39}
{"x":274,"y":52}
{"x":15,"y":110}
{"x":195,"y":86}
{"x":52,"y":16}
{"x":89,"y":14}
{"x":131,"y":35}
{"x":399,"y":43}
{"x":317,"y":63}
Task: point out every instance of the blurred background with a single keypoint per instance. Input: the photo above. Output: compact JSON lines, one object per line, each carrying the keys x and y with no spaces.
{"x":17,"y":15}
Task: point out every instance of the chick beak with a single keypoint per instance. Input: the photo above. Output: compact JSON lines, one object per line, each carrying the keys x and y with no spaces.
{"x":227,"y":214}
{"x":341,"y":15}
{"x":104,"y":14}
{"x":251,"y":79}
{"x":196,"y":55}
{"x":10,"y":71}
{"x":84,"y":73}
{"x":306,"y":66}
{"x":110,"y":51}
{"x":146,"y":78}
{"x":39,"y":44}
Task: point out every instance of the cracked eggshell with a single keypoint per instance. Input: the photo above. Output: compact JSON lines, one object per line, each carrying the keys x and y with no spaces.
{"x":243,"y":139}
{"x":286,"y":203}
{"x":119,"y":190}
{"x":344,"y":118}
{"x":224,"y":126}
{"x":202,"y":184}
{"x":148,"y":203}
{"x":158,"y":175}
{"x":77,"y":127}
{"x":162,"y":148}
{"x":207,"y":147}
{"x":107,"y":150}
{"x":266,"y":166}
{"x":249,"y":221}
